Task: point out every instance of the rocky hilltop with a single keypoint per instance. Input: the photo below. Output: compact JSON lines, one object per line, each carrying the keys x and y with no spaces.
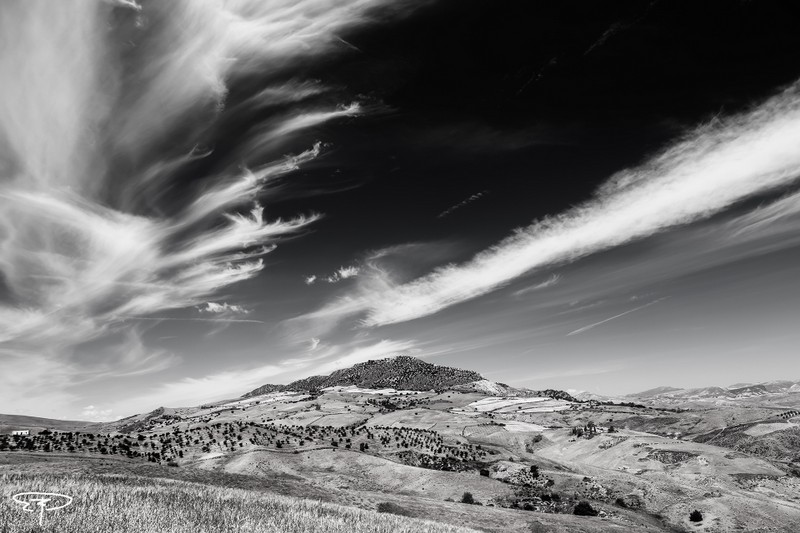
{"x":265,"y":389}
{"x":402,"y":373}
{"x":494,"y":388}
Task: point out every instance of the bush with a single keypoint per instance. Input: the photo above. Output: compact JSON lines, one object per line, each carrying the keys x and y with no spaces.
{"x":584,"y":509}
{"x":393,"y":508}
{"x":696,"y":516}
{"x":467,"y":498}
{"x":536,"y":527}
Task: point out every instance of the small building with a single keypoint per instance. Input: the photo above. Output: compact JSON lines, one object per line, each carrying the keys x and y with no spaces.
{"x":21,"y":432}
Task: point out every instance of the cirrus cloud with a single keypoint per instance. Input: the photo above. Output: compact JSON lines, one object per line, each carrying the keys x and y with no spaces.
{"x":91,"y":236}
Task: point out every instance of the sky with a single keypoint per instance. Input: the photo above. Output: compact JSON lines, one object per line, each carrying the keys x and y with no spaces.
{"x":198,"y":198}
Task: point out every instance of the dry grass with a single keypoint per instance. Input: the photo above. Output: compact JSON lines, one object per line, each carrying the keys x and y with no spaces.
{"x":118,"y":504}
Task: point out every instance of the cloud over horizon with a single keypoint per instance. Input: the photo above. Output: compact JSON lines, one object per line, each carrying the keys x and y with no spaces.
{"x":89,"y":237}
{"x":234,"y":383}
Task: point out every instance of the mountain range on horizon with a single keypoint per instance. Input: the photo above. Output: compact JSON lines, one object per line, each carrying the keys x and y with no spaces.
{"x":738,"y":390}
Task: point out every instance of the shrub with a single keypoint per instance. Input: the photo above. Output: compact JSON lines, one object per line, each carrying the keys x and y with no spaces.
{"x":536,"y":527}
{"x":393,"y":508}
{"x":484,"y":472}
{"x":584,"y":509}
{"x":696,"y":516}
{"x":467,"y":498}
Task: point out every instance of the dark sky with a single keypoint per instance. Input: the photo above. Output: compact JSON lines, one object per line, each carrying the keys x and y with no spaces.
{"x":578,"y":195}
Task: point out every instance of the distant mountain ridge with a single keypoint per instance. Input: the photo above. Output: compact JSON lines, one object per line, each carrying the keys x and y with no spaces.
{"x":734,"y":392}
{"x":402,"y":373}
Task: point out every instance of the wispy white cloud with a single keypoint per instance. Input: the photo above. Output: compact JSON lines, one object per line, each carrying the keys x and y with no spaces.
{"x":223,"y":308}
{"x":380,"y":350}
{"x":95,"y":414}
{"x":448,"y":211}
{"x":708,"y":171}
{"x":131,"y":357}
{"x":195,"y":391}
{"x":217,"y":320}
{"x":234,"y":383}
{"x":84,"y":249}
{"x":341,"y":274}
{"x":549,"y":282}
{"x":609,"y":319}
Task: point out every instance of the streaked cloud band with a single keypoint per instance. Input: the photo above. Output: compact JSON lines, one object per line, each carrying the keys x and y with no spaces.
{"x":706,"y":172}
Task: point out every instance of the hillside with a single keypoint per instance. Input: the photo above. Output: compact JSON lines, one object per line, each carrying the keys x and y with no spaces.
{"x":13,"y":422}
{"x":494,"y":388}
{"x":413,"y":437}
{"x":154,"y":505}
{"x":401,"y":373}
{"x":265,"y":389}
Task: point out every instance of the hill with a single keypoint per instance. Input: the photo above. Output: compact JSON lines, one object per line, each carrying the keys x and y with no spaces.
{"x":156,"y":504}
{"x":404,"y":435}
{"x":658,"y":391}
{"x":10,"y":423}
{"x":265,"y":389}
{"x":493,"y":388}
{"x":401,"y":373}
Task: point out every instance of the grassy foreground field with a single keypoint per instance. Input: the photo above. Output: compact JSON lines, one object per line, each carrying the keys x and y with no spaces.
{"x":117,"y":504}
